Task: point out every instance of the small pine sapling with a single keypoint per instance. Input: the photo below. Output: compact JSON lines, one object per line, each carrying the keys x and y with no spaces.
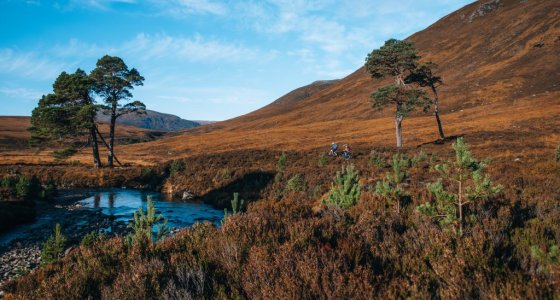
{"x":143,"y":223}
{"x":345,"y":192}
{"x":53,"y":248}
{"x":471,"y":185}
{"x":391,"y":187}
{"x":237,"y":206}
{"x":282,"y":162}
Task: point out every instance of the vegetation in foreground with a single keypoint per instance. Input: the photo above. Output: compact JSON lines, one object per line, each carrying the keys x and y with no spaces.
{"x":504,"y":246}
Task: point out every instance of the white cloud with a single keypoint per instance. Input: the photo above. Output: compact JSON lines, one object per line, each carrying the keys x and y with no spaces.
{"x":21,"y":93}
{"x":29,"y":65}
{"x":187,"y":49}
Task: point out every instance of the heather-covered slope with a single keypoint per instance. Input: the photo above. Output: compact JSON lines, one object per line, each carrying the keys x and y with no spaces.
{"x":499,"y":61}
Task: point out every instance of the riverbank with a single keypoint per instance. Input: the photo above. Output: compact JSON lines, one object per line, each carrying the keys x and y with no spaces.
{"x":20,"y":247}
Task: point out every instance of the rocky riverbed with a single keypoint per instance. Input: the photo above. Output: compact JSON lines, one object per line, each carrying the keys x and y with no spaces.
{"x":20,"y":248}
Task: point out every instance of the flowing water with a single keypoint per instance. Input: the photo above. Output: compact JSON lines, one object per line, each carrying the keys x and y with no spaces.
{"x":123,"y":203}
{"x":115,"y":206}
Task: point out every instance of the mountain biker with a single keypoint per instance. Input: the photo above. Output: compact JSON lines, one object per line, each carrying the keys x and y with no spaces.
{"x":346,"y":152}
{"x":334,"y":148}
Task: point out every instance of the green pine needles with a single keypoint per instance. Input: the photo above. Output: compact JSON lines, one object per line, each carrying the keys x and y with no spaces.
{"x":53,"y":248}
{"x":237,"y":206}
{"x":463,"y":182}
{"x":143,"y":223}
{"x":391,"y":188}
{"x":345,"y":192}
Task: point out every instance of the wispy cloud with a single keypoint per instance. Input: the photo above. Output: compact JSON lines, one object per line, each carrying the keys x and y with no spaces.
{"x":197,"y":49}
{"x":21,"y":92}
{"x":29,"y":65}
{"x":186,"y":7}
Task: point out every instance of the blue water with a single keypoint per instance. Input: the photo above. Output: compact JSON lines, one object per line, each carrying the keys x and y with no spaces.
{"x":120,"y":204}
{"x":123,"y":203}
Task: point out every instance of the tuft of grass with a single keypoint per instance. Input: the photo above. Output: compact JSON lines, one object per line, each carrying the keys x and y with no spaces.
{"x":64,"y":153}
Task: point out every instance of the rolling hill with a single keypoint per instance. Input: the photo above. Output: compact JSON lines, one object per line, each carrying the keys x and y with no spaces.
{"x":500,"y":64}
{"x":152,"y":120}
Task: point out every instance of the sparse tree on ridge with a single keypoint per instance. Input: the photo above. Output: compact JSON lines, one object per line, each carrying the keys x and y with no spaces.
{"x":423,"y":76}
{"x":113,"y":82}
{"x":69,"y":111}
{"x":396,"y":58}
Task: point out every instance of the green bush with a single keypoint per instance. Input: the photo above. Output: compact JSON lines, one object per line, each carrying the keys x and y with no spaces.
{"x":176,"y":167}
{"x":391,"y":188}
{"x":345,"y":192}
{"x":143,"y":223}
{"x":50,"y":191}
{"x":53,"y":248}
{"x":376,"y":159}
{"x":282,"y":162}
{"x":22,"y":188}
{"x":89,"y":239}
{"x":463,"y":182}
{"x":295,"y":184}
{"x":237,"y":206}
{"x":64,"y":153}
{"x":323,"y":160}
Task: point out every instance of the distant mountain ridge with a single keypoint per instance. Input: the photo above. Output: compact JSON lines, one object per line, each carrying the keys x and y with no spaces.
{"x":152,"y":120}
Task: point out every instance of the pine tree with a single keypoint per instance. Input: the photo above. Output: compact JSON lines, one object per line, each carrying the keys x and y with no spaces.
{"x":345,"y":192}
{"x":143,"y":223}
{"x":391,"y":187}
{"x":113,"y":81}
{"x":424,"y":76}
{"x":397,"y":59}
{"x":53,"y":249}
{"x":472,"y":185}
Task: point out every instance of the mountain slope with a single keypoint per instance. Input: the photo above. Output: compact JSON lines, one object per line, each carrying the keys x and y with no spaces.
{"x":152,"y":120}
{"x":500,"y":64}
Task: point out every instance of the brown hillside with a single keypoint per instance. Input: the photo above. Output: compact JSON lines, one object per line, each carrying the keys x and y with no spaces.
{"x":500,"y":64}
{"x":14,"y":139}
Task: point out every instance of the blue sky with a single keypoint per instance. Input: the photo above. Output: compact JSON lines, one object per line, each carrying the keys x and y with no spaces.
{"x":202,"y":59}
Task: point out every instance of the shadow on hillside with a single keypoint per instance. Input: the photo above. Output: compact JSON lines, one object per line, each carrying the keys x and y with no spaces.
{"x":249,"y":187}
{"x":441,"y":142}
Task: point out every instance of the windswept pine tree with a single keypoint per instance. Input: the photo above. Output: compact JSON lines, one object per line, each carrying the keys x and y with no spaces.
{"x":397,"y":59}
{"x":113,"y":81}
{"x":424,"y":76}
{"x":69,"y":111}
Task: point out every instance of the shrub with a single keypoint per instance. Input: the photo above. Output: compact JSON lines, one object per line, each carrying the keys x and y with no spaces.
{"x":176,"y":167}
{"x":391,"y":187}
{"x":323,"y":160}
{"x":143,"y":223}
{"x":50,"y":191}
{"x":64,"y":153}
{"x":472,"y":186}
{"x":345,"y":192}
{"x":558,"y":153}
{"x":53,"y":248}
{"x":295,"y":184}
{"x":420,"y":157}
{"x":89,"y":239}
{"x":546,"y":259}
{"x":282,"y":162}
{"x":237,"y":206}
{"x":22,"y":187}
{"x":376,"y":159}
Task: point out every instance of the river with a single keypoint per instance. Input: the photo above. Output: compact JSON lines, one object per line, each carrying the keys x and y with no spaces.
{"x":108,"y":211}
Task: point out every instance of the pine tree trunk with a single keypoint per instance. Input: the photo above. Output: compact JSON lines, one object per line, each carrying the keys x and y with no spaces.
{"x":436,"y":113}
{"x":112,"y":134}
{"x":398,"y":129}
{"x":94,"y":148}
{"x":460,"y":206}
